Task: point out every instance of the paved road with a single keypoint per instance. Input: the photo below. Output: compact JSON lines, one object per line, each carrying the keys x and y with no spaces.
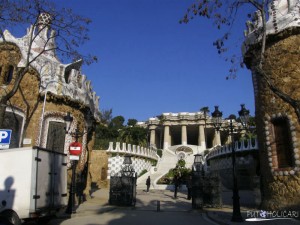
{"x":138,"y":217}
{"x":171,"y":211}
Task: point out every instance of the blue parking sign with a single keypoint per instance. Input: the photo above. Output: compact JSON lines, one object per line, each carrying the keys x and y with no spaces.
{"x":5,"y":136}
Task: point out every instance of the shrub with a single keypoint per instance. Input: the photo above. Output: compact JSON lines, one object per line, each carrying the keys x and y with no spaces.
{"x":142,"y":173}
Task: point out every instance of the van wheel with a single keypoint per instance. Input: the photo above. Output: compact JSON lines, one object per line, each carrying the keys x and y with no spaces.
{"x":12,"y":217}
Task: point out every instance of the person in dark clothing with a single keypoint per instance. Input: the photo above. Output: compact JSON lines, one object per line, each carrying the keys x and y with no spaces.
{"x":189,"y":186}
{"x":176,"y":184}
{"x":148,"y":182}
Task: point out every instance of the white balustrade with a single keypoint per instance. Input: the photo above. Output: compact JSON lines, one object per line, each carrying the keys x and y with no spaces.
{"x":240,"y":146}
{"x":133,"y":150}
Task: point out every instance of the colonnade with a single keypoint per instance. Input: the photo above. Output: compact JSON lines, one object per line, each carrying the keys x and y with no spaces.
{"x":167,"y":137}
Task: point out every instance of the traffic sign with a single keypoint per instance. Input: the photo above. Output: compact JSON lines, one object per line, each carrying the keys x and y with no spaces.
{"x":5,"y":136}
{"x":75,"y":148}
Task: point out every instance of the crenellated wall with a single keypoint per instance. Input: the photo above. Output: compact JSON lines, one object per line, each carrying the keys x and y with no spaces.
{"x":219,"y":162}
{"x":281,"y":16}
{"x":142,"y":158}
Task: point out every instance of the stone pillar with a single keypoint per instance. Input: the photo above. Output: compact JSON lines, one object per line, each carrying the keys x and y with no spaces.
{"x":166,"y":136}
{"x":152,"y":137}
{"x":201,"y":137}
{"x":217,"y":138}
{"x":183,"y":135}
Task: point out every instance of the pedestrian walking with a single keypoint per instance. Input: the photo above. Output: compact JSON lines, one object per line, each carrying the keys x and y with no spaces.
{"x":189,"y":186}
{"x":176,"y":184}
{"x":148,"y":182}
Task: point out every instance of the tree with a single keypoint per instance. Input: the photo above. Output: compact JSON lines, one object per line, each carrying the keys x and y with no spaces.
{"x":225,"y":13}
{"x":134,"y":135}
{"x":132,"y":122}
{"x":106,"y":116}
{"x":116,"y":131}
{"x":69,"y":31}
{"x":117,"y":122}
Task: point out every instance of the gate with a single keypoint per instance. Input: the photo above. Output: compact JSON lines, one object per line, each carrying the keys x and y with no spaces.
{"x":122,"y":190}
{"x":206,"y":191}
{"x":123,"y":185}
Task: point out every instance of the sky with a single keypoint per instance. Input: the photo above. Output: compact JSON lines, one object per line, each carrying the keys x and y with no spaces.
{"x":151,"y":64}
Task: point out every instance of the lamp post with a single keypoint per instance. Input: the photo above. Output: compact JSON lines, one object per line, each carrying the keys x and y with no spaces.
{"x":71,"y":201}
{"x":198,"y":163}
{"x":217,"y":120}
{"x":197,"y":185}
{"x":127,"y":169}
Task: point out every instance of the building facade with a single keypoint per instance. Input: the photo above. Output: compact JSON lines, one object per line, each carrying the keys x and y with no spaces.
{"x":278,"y":128}
{"x":47,"y":93}
{"x":185,"y":131}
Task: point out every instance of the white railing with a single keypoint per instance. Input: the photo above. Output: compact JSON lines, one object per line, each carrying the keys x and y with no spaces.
{"x":239,"y":146}
{"x":133,"y":150}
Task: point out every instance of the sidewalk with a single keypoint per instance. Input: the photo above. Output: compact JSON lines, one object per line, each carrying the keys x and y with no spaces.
{"x":97,"y":204}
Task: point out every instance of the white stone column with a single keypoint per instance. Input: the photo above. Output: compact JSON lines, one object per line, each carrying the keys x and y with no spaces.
{"x":217,"y":138}
{"x":183,"y":135}
{"x":201,"y":137}
{"x":166,"y":136}
{"x":152,"y":137}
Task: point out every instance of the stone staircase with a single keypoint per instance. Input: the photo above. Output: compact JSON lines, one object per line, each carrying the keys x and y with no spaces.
{"x":168,"y":161}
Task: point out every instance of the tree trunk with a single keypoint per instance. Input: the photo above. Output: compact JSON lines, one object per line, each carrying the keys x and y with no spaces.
{"x":283,"y":96}
{"x":2,"y":113}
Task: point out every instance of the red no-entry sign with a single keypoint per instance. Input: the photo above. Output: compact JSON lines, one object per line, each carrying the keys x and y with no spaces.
{"x":75,"y":148}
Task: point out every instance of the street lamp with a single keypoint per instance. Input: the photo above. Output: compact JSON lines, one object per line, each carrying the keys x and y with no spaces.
{"x":244,"y":116}
{"x":217,"y":118}
{"x":197,"y":182}
{"x":127,"y":169}
{"x":198,"y":162}
{"x":71,"y":201}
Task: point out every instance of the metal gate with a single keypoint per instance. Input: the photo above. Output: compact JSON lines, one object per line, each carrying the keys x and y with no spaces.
{"x":122,"y":190}
{"x":206,"y":191}
{"x":123,"y":185}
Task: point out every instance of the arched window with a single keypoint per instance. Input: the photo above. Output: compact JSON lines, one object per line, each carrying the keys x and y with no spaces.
{"x":67,"y":76}
{"x":9,"y":74}
{"x":56,"y":136}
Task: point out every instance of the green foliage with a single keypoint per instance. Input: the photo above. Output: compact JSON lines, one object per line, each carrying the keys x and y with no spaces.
{"x":133,"y":135}
{"x":117,"y":122}
{"x":142,"y":173}
{"x":132,"y":122}
{"x":159,"y":152}
{"x":116,"y":131}
{"x":180,"y":171}
{"x":206,"y":152}
{"x":181,"y":163}
{"x":101,"y":144}
{"x":106,"y":116}
{"x":205,"y":110}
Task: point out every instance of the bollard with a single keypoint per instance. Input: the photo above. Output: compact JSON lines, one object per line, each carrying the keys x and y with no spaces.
{"x":158,"y":206}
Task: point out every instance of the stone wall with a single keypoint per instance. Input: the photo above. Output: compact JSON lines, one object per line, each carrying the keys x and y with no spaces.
{"x":281,"y":186}
{"x":98,"y":168}
{"x":246,"y":170}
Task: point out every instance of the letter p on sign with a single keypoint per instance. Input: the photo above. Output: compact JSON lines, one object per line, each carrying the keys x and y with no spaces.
{"x":5,"y":136}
